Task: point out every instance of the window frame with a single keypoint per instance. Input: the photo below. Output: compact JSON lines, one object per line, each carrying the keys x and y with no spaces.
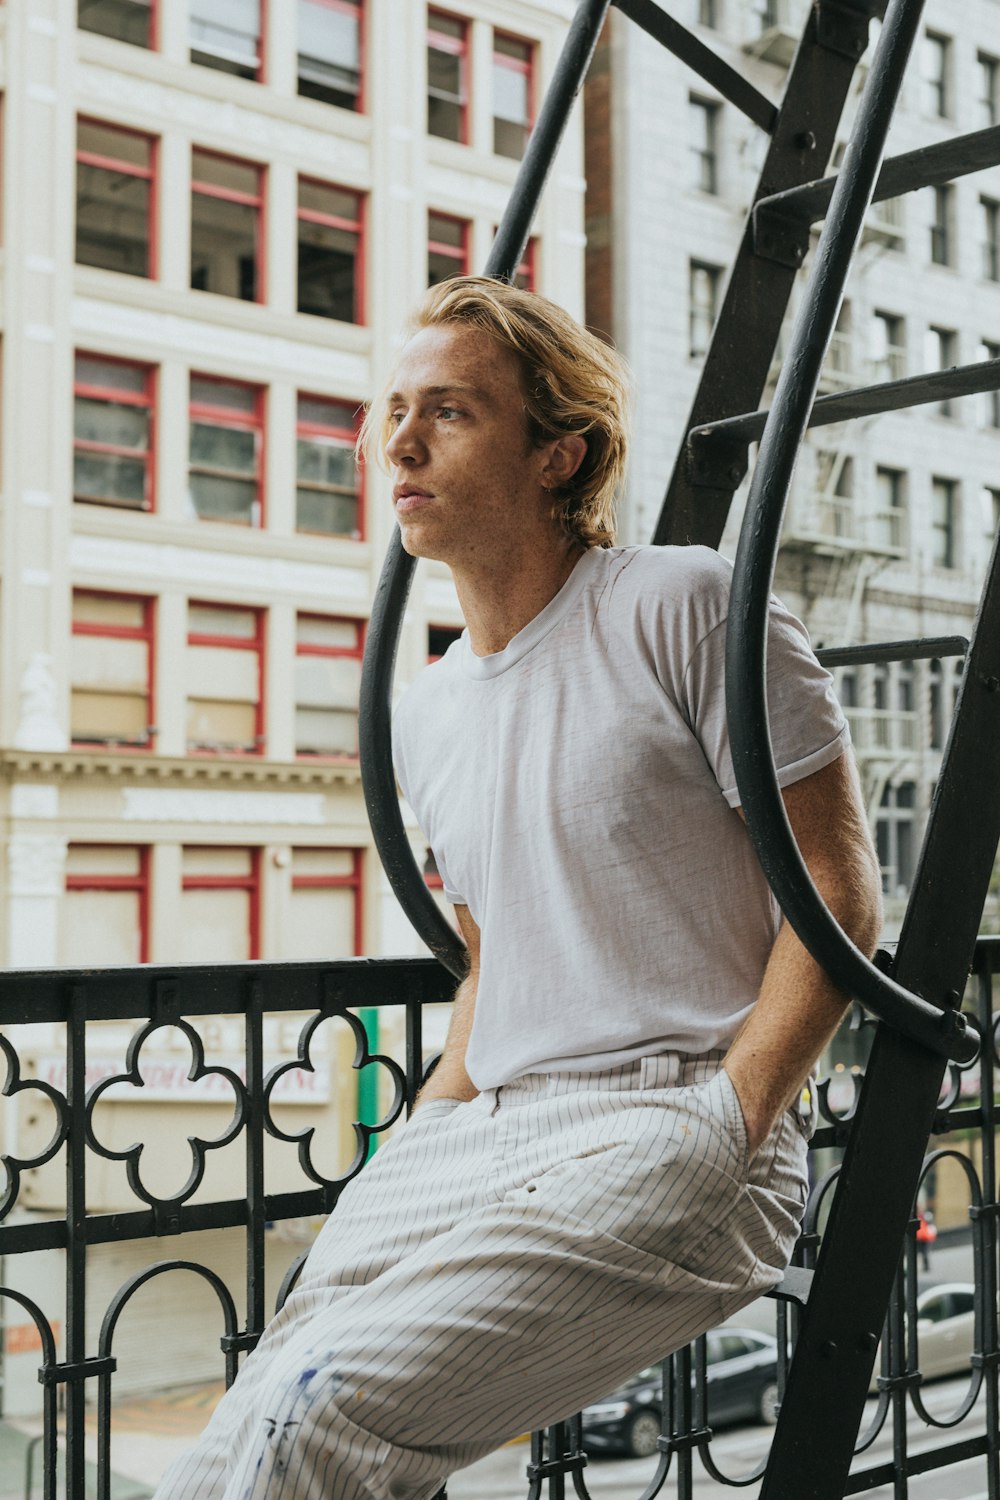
{"x":149,"y":174}
{"x":991,"y":237}
{"x":459,"y":47}
{"x":250,"y":882}
{"x":353,"y":882}
{"x":258,"y":644}
{"x":350,"y":436}
{"x":942,"y":252}
{"x":441,"y":247}
{"x":714,"y":274}
{"x":356,"y":226}
{"x":146,"y":402}
{"x":527,"y":68}
{"x":337,"y":653}
{"x":145,"y":632}
{"x":947,"y":488}
{"x":139,"y":883}
{"x":247,"y":200}
{"x":707,"y":157}
{"x":261,"y":74}
{"x":358,"y":9}
{"x":938,"y":86}
{"x":226,"y":416}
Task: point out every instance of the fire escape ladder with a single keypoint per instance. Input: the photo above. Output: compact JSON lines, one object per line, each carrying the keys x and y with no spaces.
{"x":915,"y":996}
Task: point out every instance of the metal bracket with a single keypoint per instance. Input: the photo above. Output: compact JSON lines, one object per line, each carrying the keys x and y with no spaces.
{"x":842,"y":28}
{"x":717,"y":461}
{"x":72,"y":1374}
{"x":780,"y":237}
{"x":239,"y":1343}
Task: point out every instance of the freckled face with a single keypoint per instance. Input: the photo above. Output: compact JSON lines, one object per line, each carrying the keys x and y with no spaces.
{"x":467,"y":479}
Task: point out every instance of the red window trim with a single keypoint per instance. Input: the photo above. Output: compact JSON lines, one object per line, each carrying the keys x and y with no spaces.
{"x":312,"y":648}
{"x":356,"y":226}
{"x":358,"y":9}
{"x":256,"y":200}
{"x":459,"y":254}
{"x":350,"y":435}
{"x":516,"y":65}
{"x":228,"y":416}
{"x":147,"y":401}
{"x":144,"y":632}
{"x":249,"y":883}
{"x":458,"y":47}
{"x":255,"y":643}
{"x":131,"y":169}
{"x":353,"y":882}
{"x":138,"y":883}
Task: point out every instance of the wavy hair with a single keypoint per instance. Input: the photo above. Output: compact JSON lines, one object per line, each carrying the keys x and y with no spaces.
{"x":573,"y":383}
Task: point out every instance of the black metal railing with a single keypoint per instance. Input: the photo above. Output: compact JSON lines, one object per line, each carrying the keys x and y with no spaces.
{"x":79,"y":1335}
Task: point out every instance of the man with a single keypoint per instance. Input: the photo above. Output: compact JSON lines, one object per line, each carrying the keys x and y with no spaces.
{"x":610,"y":1155}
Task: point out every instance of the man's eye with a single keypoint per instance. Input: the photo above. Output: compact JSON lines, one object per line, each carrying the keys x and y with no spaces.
{"x":448,"y":411}
{"x":395,"y":417}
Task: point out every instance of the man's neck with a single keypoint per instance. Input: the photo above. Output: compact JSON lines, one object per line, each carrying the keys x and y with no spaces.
{"x":498,"y":602}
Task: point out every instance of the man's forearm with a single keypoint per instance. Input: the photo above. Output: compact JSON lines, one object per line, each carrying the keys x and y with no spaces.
{"x":449,"y":1079}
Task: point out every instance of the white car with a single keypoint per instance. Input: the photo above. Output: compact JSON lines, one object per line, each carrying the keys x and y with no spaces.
{"x":946,"y":1330}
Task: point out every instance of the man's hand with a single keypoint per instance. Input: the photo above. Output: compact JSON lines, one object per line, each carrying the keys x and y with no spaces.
{"x":449,"y":1079}
{"x":798,"y":1009}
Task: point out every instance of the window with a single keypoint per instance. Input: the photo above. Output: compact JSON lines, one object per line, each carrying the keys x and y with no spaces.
{"x":225,"y":654}
{"x":115,"y":175}
{"x":936,"y":65}
{"x":225,"y":34}
{"x":704,"y":118}
{"x":888,"y":360}
{"x":328,"y":488}
{"x":225,"y":471}
{"x":328,"y":653}
{"x":111,"y":670}
{"x":704,"y":282}
{"x":938,"y":726}
{"x":105,"y":917}
{"x":989,"y":401}
{"x":439,"y":638}
{"x":835,"y":493}
{"x":888,"y":522}
{"x":987,"y":68}
{"x":126,"y":20}
{"x":991,"y":238}
{"x":990,"y":499}
{"x":330,"y":252}
{"x":226,"y":231}
{"x":330,"y":51}
{"x":944,"y":495}
{"x":707,"y":13}
{"x":447,"y":77}
{"x":941,"y":353}
{"x":220,"y":905}
{"x":113,"y":403}
{"x":447,"y":247}
{"x":941,"y":226}
{"x":326,"y":915}
{"x":513,"y":89}
{"x":895,"y":838}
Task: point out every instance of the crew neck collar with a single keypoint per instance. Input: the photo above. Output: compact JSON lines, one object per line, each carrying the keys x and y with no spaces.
{"x":528,"y":637}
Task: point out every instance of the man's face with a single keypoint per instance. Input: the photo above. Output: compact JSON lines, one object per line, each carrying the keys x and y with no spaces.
{"x":466,"y":476}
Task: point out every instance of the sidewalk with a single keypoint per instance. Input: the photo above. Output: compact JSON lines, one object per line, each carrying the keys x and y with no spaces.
{"x":147,"y":1434}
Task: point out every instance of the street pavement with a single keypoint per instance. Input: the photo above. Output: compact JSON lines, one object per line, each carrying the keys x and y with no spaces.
{"x":148,"y":1432}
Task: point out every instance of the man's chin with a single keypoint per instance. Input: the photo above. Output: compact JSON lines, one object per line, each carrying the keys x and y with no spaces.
{"x":418,"y":545}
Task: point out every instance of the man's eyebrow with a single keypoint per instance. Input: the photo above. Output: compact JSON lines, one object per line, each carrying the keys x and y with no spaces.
{"x":473,"y":392}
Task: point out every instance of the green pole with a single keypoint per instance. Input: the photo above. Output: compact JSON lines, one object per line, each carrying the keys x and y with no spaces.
{"x":367,"y":1101}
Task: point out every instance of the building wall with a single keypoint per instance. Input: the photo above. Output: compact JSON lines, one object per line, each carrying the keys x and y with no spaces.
{"x":854,"y":573}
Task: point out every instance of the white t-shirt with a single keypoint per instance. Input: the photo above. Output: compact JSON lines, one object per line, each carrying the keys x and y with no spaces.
{"x":578,"y":792}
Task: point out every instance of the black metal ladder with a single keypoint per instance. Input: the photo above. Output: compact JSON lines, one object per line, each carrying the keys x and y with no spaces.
{"x":917,"y":997}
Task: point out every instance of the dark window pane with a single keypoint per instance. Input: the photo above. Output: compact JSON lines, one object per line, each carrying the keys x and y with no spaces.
{"x":105,"y":479}
{"x":216,"y":497}
{"x":326,"y":511}
{"x":223,"y":247}
{"x":329,"y":54}
{"x":327,"y":267}
{"x":125,"y":20}
{"x":112,"y":220}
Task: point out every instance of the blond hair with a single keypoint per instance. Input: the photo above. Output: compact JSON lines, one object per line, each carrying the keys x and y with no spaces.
{"x":573,"y":383}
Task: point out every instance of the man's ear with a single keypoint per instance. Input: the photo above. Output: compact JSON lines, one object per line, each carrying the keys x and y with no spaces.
{"x":565,"y":455}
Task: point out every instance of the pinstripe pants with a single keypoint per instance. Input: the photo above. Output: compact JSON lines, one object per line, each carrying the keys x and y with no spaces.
{"x":498,"y":1265}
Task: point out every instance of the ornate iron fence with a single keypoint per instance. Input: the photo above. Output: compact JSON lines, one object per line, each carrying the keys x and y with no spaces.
{"x":77,"y":1369}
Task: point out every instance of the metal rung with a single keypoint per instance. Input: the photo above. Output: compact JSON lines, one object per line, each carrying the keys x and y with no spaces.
{"x":927,"y":648}
{"x":865,"y":401}
{"x":930,"y":166}
{"x":794,"y":1286}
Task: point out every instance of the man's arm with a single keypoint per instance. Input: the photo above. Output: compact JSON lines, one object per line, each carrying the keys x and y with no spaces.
{"x":798,"y":1009}
{"x":449,"y":1079}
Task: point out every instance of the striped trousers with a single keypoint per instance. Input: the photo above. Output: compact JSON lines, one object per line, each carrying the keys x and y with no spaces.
{"x":498,"y":1265}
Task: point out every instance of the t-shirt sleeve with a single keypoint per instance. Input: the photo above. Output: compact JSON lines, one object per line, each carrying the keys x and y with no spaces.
{"x":399,"y":738}
{"x":808,"y":727}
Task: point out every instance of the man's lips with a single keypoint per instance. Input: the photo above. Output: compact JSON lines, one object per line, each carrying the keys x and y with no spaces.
{"x":408,"y":498}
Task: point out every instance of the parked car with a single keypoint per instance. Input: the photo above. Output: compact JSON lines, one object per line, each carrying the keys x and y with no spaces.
{"x":946,"y":1328}
{"x":741,"y":1383}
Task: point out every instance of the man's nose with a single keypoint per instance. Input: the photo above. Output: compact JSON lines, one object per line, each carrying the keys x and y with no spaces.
{"x":405,"y":444}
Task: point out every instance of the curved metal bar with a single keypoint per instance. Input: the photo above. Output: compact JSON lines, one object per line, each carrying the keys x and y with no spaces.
{"x":375,"y":724}
{"x":942,"y":1030}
